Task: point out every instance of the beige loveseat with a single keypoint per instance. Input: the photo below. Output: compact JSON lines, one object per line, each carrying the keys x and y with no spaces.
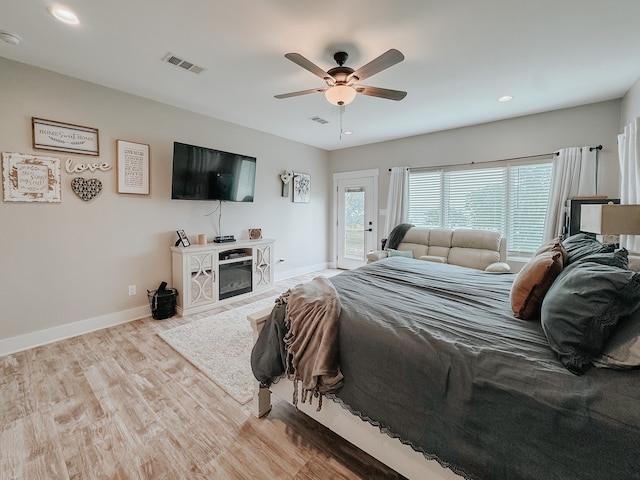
{"x":479,"y":249}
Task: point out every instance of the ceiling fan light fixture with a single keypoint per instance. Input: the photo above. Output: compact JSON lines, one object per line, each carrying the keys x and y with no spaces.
{"x":340,"y":94}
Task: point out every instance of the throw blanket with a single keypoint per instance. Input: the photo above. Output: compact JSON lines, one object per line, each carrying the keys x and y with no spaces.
{"x":300,"y":339}
{"x":396,"y":235}
{"x":313,"y":310}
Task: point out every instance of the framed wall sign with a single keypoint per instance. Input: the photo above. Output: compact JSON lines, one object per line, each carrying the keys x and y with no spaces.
{"x":30,"y":178}
{"x":132,"y":167}
{"x":64,"y":137}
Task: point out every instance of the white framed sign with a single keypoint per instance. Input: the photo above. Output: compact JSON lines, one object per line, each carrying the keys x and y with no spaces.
{"x":64,"y":137}
{"x":132,"y":167}
{"x":30,"y":178}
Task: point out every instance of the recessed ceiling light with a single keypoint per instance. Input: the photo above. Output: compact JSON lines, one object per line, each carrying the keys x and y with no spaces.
{"x":347,"y":132}
{"x":505,"y":98}
{"x":63,"y":14}
{"x":10,"y":38}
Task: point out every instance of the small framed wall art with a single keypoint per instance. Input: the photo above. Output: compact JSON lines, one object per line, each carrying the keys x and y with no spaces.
{"x":30,"y":178}
{"x":132,"y":167}
{"x":301,"y":188}
{"x":64,"y":137}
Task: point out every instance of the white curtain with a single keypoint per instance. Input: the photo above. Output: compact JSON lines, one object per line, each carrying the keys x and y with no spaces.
{"x":628,"y":154}
{"x":573,"y":174}
{"x":397,"y":201}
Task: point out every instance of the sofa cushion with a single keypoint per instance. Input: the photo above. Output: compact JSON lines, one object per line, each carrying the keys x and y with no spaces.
{"x":474,"y":248}
{"x":433,"y":258}
{"x":478,"y":239}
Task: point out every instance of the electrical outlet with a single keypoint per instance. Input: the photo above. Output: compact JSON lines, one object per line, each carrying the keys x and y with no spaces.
{"x":132,"y":290}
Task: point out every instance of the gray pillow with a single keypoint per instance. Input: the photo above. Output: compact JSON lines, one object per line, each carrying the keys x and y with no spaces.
{"x":582,"y":308}
{"x":619,"y":258}
{"x":582,"y":245}
{"x":622,"y":350}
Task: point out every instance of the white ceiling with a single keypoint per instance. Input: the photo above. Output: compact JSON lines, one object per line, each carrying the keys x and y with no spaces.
{"x":460,"y":56}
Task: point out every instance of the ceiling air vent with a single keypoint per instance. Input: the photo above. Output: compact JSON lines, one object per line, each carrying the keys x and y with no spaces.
{"x":319,"y":120}
{"x":180,"y":62}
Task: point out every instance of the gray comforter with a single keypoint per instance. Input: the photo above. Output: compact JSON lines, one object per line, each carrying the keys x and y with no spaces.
{"x":432,"y":355}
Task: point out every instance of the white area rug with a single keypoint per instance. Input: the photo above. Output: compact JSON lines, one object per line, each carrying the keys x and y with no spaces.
{"x":220,"y":346}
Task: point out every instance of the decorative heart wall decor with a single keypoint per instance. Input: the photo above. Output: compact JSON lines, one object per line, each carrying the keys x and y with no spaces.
{"x":86,"y":189}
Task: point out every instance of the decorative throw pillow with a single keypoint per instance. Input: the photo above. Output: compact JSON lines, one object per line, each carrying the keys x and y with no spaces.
{"x":532,"y":283}
{"x":619,"y":258}
{"x":498,"y":267}
{"x":400,"y":253}
{"x":622,"y":350}
{"x":582,"y":245}
{"x":554,"y":245}
{"x":583,"y":306}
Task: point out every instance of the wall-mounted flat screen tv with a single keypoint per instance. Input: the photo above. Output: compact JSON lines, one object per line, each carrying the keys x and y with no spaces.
{"x":201,"y":173}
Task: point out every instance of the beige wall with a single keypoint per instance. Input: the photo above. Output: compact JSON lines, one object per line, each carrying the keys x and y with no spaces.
{"x":524,"y":136}
{"x":73,"y":261}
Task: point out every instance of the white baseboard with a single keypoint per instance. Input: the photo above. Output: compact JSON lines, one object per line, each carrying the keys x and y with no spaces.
{"x":54,"y":334}
{"x":302,"y":271}
{"x":49,"y":335}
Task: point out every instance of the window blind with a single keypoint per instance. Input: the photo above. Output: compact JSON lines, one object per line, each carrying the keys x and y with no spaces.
{"x":510,"y":198}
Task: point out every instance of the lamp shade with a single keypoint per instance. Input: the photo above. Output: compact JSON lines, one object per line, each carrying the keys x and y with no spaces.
{"x":610,"y":219}
{"x":340,"y":94}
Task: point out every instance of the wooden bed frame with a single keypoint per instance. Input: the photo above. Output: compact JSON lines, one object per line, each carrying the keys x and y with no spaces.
{"x":390,"y":451}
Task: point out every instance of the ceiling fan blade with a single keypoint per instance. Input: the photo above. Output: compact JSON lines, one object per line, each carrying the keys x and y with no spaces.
{"x":381,"y":92}
{"x":308,"y":65}
{"x":301,"y":92}
{"x":384,"y":61}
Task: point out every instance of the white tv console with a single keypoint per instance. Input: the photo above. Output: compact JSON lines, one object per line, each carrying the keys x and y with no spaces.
{"x":208,"y":275}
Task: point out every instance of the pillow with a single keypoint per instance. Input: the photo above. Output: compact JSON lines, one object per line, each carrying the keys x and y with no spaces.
{"x":583,"y":306}
{"x":634,"y":262}
{"x":582,"y":245}
{"x":619,"y":258}
{"x":400,"y":253}
{"x":498,"y":267}
{"x":531,"y":284}
{"x":554,"y":245}
{"x":622,"y":350}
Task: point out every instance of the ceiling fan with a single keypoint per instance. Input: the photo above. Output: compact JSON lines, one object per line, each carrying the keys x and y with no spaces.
{"x":342,"y":82}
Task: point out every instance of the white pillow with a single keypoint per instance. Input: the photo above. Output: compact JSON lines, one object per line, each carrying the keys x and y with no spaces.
{"x":498,"y":267}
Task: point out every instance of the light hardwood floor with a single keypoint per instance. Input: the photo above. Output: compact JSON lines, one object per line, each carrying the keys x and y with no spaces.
{"x":120,"y":403}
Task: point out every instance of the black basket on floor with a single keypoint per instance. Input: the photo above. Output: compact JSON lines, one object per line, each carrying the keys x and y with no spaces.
{"x":162,"y":302}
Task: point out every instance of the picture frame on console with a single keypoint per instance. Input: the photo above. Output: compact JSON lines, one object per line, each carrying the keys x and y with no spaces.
{"x":182,"y":239}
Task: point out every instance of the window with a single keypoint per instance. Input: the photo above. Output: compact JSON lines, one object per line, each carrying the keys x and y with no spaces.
{"x":509,"y":198}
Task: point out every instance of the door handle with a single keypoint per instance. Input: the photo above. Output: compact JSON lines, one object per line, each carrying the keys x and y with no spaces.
{"x":368,"y":229}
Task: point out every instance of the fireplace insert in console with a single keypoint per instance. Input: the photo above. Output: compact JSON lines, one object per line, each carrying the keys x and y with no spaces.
{"x":235,"y":278}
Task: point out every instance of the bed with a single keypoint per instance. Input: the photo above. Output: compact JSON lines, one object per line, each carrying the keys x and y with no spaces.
{"x":442,"y":381}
